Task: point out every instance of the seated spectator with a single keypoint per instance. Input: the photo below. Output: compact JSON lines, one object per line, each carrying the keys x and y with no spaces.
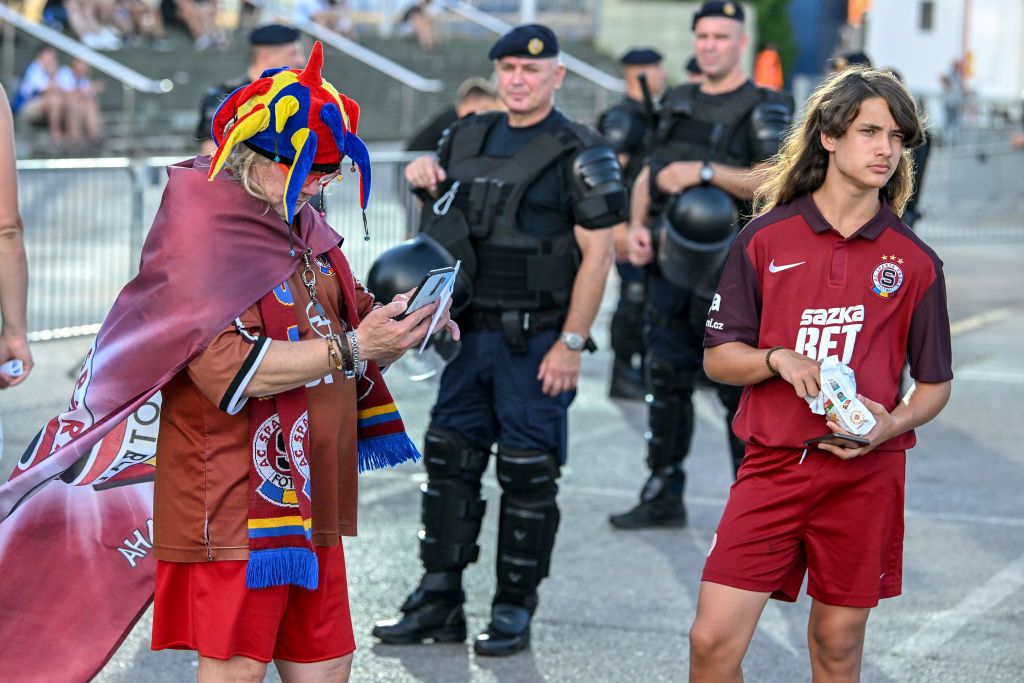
{"x":420,"y":19}
{"x":331,"y":14}
{"x":83,"y":121}
{"x":144,"y":23}
{"x":39,"y":100}
{"x":92,"y":21}
{"x":200,"y":18}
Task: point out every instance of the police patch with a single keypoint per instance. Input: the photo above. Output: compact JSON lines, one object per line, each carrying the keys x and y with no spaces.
{"x":886,"y":278}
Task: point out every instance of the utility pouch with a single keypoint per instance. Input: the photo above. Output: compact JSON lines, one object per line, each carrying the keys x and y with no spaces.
{"x":512,"y":329}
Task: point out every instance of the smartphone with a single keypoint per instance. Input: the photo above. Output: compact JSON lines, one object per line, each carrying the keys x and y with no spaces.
{"x":429,"y":290}
{"x":841,"y":440}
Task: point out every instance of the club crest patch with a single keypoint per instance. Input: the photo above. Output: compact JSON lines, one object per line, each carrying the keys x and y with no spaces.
{"x":271,"y":460}
{"x":886,"y":279}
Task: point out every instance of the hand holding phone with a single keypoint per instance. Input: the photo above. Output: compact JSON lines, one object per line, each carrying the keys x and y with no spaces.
{"x":840,"y":440}
{"x":430,"y":289}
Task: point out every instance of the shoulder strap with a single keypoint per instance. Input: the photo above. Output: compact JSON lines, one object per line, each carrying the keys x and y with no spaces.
{"x":467,"y":136}
{"x":527,"y":165}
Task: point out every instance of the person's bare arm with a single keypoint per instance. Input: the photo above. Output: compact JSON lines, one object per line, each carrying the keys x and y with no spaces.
{"x":560,"y":369}
{"x":289,"y":364}
{"x":738,"y":182}
{"x":13,"y":262}
{"x":740,"y":364}
{"x":638,"y":239}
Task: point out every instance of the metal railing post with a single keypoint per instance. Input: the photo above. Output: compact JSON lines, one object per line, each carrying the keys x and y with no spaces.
{"x":128,"y":125}
{"x":9,"y":56}
{"x":137,"y":227}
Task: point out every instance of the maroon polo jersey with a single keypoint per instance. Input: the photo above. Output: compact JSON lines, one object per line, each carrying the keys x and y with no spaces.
{"x":873,"y":300}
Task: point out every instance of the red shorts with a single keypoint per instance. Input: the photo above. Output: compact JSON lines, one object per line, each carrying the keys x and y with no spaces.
{"x":839,"y":521}
{"x":205,"y":606}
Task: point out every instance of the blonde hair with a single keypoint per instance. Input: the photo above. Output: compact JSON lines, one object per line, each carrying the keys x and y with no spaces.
{"x":242,"y":162}
{"x":799,"y":167}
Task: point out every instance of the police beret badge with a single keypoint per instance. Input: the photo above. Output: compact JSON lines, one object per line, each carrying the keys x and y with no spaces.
{"x":535,"y":46}
{"x":729,"y":9}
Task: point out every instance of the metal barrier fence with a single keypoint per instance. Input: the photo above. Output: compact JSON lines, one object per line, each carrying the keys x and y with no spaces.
{"x":974,"y":192}
{"x":86,"y":220}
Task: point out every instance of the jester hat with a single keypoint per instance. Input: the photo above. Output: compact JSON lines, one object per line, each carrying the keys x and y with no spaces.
{"x":297,"y":118}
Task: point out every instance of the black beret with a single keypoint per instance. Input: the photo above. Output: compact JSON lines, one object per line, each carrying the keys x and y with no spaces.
{"x":533,"y":41}
{"x":693,"y":67}
{"x":273,"y":34}
{"x":641,"y":56}
{"x":717,"y":8}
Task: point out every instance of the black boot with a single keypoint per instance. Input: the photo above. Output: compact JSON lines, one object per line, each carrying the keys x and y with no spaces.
{"x":627,"y":381}
{"x":661,"y":502}
{"x":432,"y":612}
{"x":508,"y":632}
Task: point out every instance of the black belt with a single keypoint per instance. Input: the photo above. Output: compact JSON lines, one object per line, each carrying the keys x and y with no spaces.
{"x":530,"y":322}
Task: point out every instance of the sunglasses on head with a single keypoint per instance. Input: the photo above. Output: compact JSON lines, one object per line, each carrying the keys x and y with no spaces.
{"x":322,"y":178}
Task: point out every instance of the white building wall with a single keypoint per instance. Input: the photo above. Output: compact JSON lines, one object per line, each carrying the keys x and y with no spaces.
{"x":996,"y":33}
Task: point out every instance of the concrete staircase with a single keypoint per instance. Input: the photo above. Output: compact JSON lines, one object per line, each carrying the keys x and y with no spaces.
{"x":392,"y":111}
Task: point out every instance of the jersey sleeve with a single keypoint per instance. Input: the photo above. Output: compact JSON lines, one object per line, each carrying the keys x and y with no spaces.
{"x":225,"y":368}
{"x":929,"y":346}
{"x":365,"y":301}
{"x":735,"y":313}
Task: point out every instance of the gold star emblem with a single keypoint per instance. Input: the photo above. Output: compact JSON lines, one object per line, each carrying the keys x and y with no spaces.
{"x":535,"y":46}
{"x":729,"y":9}
{"x":884,"y":257}
{"x":893,"y":257}
{"x":899,"y":261}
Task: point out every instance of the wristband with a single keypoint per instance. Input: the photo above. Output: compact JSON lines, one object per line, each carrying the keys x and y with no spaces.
{"x":335,"y":357}
{"x":353,"y":344}
{"x":768,"y":360}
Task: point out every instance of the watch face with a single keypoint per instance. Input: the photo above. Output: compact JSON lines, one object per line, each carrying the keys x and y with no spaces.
{"x":706,"y":173}
{"x":573,"y":341}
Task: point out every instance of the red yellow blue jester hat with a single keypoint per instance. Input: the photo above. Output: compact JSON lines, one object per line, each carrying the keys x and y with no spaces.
{"x":294,"y":117}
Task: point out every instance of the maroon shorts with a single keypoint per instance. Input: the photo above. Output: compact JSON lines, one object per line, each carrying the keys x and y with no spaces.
{"x":838,"y":521}
{"x":205,"y":606}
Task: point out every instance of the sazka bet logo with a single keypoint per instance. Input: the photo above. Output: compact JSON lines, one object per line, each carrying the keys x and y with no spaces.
{"x":270,"y":456}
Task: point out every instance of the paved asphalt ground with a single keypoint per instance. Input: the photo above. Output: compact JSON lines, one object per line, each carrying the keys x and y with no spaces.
{"x":618,"y":604}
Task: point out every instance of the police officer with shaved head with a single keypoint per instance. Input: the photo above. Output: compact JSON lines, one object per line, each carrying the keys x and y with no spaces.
{"x":525,"y":199}
{"x":686,"y":208}
{"x":626,"y":125}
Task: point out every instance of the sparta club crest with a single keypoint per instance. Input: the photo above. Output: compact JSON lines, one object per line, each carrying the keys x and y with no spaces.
{"x":887,"y":278}
{"x":270,"y":457}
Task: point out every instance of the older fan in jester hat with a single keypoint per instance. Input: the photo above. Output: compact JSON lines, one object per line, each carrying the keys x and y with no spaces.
{"x":261,"y":542}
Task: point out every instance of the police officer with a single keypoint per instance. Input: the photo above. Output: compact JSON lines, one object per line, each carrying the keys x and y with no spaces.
{"x":270,"y":46}
{"x":695,"y":184}
{"x":524,"y":198}
{"x":625,"y":125}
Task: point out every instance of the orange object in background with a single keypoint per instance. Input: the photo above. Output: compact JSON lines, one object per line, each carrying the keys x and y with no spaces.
{"x":768,"y":69}
{"x":855,"y":11}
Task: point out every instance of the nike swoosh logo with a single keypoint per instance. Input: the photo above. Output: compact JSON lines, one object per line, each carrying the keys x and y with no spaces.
{"x":772,"y":268}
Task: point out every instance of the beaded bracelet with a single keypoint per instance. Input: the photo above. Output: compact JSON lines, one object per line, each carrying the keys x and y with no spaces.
{"x":768,"y":360}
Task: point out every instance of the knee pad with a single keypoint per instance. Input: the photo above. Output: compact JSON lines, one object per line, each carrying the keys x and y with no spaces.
{"x":670,"y":414}
{"x":452,"y":512}
{"x":449,"y":455}
{"x":527,"y":472}
{"x":526,"y":538}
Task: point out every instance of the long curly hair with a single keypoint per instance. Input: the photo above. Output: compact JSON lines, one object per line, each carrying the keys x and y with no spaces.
{"x":800,"y":165}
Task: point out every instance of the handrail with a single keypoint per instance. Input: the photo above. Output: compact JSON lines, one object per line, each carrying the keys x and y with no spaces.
{"x":119,"y":72}
{"x":495,"y":25}
{"x":368,"y":57}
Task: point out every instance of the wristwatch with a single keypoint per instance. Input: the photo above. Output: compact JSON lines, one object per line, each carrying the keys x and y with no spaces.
{"x":573,"y":341}
{"x":707,"y":172}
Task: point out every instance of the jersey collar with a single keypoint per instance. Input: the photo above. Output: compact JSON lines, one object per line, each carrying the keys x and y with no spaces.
{"x":870,"y":230}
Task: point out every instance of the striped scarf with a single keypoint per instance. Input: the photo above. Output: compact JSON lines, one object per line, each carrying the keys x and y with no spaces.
{"x":280,"y":505}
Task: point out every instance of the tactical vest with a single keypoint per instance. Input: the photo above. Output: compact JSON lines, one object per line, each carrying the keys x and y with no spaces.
{"x":682,"y":135}
{"x":513,"y":270}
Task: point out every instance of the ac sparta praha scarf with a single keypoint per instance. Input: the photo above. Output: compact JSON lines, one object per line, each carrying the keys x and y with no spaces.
{"x":280,"y":550}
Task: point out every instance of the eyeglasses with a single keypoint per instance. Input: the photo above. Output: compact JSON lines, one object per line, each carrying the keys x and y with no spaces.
{"x":322,"y":178}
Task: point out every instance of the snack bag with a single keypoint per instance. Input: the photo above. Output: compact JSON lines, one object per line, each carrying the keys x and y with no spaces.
{"x":838,"y":399}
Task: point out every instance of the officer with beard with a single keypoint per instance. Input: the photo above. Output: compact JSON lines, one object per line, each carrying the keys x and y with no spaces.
{"x":697,"y":182}
{"x":626,"y":126}
{"x":524,"y":199}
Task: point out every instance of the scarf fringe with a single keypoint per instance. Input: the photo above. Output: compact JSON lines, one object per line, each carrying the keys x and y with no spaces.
{"x":386,"y":451}
{"x":282,"y":567}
